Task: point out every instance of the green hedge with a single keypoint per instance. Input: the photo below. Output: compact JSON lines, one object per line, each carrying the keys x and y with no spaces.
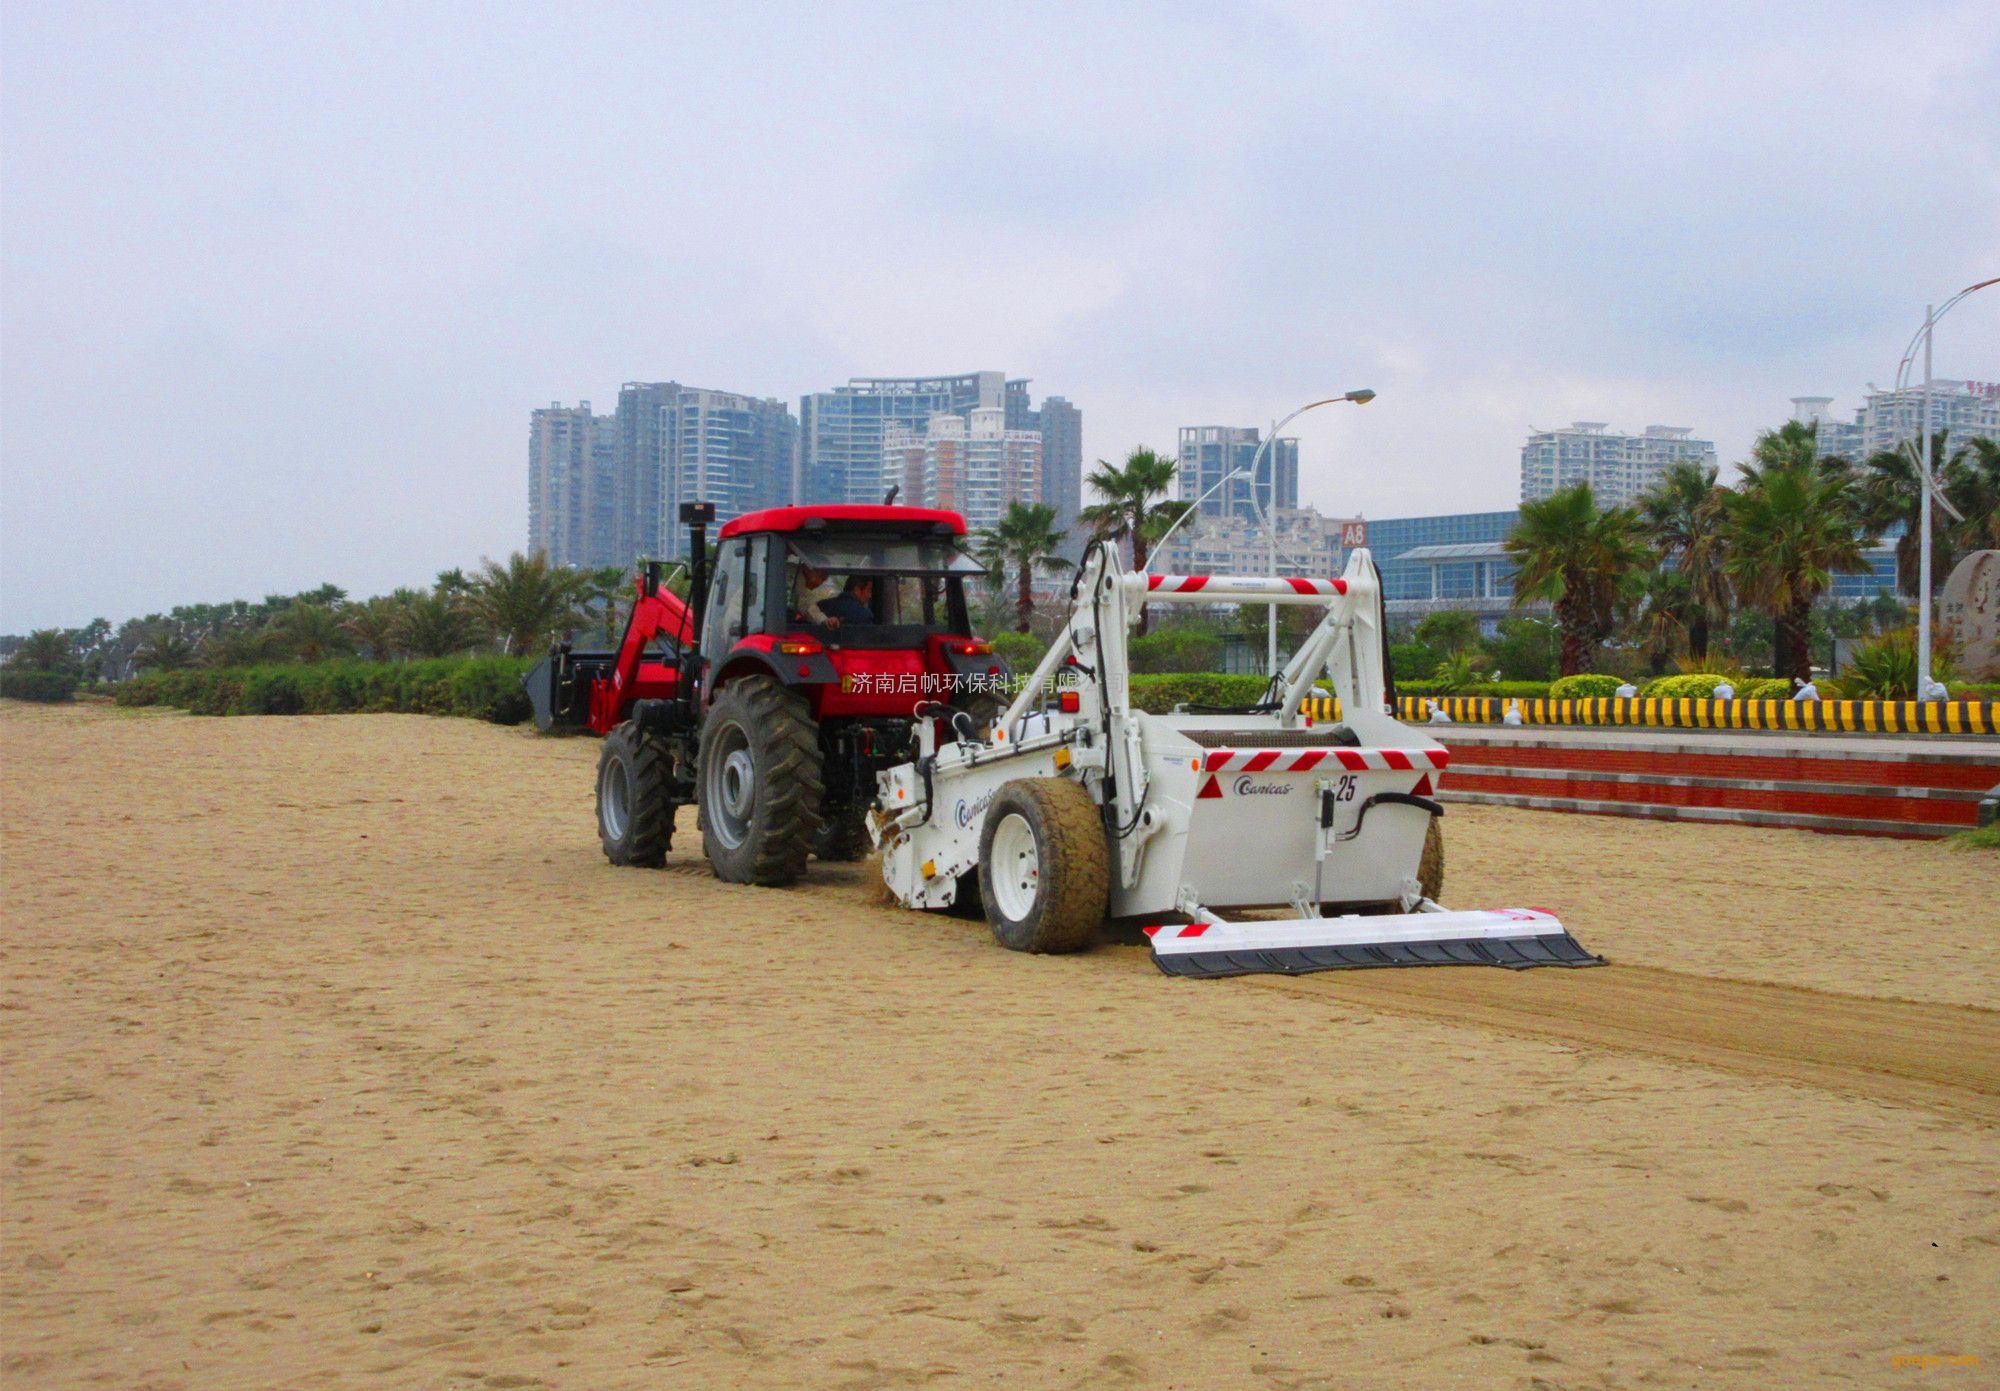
{"x":48,"y":687}
{"x":1502,"y":690}
{"x":1585,"y":686}
{"x":1157,"y":695}
{"x":485,"y":688}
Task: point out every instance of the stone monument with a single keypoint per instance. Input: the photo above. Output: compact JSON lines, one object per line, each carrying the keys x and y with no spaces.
{"x":1969,"y":615}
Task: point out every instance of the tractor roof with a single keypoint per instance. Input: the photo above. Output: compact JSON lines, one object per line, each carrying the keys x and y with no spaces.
{"x":846,"y":517}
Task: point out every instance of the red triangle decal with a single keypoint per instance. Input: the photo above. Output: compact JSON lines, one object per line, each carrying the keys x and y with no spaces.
{"x":1208,"y":789}
{"x":1423,"y":787}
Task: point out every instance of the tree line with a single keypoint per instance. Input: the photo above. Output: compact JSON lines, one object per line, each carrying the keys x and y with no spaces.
{"x":516,"y":606}
{"x":1693,"y":550}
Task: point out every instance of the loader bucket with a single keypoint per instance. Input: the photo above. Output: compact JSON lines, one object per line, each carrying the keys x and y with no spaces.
{"x":1515,"y":938}
{"x":558,"y":688}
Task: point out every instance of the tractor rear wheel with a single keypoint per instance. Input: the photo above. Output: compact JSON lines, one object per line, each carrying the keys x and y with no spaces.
{"x":635,"y":816}
{"x":760,"y":780}
{"x":1044,"y":866}
{"x":1430,"y":868}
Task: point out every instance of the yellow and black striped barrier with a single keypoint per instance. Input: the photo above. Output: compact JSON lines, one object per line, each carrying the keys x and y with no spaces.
{"x":1844,"y":716}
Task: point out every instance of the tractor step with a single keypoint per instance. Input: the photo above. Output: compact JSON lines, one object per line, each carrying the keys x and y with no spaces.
{"x":1515,"y":938}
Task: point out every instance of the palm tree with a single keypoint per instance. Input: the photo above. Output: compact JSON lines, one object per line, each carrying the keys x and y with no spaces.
{"x":1576,"y":558}
{"x":1682,"y":512}
{"x":1667,"y":615}
{"x":1790,"y":526}
{"x":606,"y":585}
{"x":313,"y":631}
{"x":163,"y":647}
{"x":434,"y":625}
{"x":1891,"y":493}
{"x":1026,"y":540}
{"x":1448,"y":631}
{"x":454,"y":581}
{"x":1134,"y":506}
{"x":526,"y":601}
{"x":373,"y":626}
{"x":45,"y":649}
{"x":1978,"y":498}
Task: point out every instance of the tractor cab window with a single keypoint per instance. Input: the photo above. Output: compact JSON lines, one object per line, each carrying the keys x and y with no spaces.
{"x":723,"y":625}
{"x":879,"y":590}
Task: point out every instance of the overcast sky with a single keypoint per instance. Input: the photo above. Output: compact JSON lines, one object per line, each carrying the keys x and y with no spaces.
{"x":281,"y":282}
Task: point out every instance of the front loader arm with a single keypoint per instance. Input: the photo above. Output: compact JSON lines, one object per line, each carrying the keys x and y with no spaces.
{"x":656,"y":611}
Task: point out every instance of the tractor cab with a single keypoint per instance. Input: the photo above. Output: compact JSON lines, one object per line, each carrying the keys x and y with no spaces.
{"x":862,"y":608}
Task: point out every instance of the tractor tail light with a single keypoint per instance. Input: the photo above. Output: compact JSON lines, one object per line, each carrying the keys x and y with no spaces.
{"x":972,"y":649}
{"x":800,"y":647}
{"x":1070,"y":702}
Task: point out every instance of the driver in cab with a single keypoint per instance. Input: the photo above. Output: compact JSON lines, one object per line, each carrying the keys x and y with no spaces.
{"x":823,"y":602}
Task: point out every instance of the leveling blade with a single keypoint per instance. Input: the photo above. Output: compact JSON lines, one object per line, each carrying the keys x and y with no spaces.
{"x":1516,"y":938}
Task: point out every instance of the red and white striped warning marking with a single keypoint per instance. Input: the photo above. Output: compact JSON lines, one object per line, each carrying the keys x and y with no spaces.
{"x":1242,"y":584}
{"x":1354,"y":760}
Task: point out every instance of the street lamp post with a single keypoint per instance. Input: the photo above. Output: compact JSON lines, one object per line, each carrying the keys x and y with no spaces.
{"x":1160,"y":546}
{"x":1360,"y":397}
{"x":1927,"y":493}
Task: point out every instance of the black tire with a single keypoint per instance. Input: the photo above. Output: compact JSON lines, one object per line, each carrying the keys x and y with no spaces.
{"x":1059,"y":904}
{"x":635,"y":816}
{"x":842,"y":836}
{"x":760,"y":783}
{"x":1430,"y":868}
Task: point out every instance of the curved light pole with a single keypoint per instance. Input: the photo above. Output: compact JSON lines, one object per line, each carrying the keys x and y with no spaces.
{"x":1160,"y":545}
{"x":1926,"y":481}
{"x":1360,"y":398}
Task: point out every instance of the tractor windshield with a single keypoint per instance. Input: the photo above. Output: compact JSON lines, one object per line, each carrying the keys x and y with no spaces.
{"x":884,"y":555}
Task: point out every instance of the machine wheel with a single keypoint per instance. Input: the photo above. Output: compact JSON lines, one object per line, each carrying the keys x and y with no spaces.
{"x":1430,"y":868}
{"x":759,"y":775}
{"x":1044,"y":867}
{"x":842,"y":836}
{"x":635,"y":817}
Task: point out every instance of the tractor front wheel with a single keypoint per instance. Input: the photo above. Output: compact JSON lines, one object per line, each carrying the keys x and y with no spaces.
{"x":635,"y":816}
{"x":1044,"y":866}
{"x":760,"y":779}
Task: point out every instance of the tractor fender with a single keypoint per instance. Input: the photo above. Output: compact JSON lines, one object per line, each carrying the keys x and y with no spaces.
{"x":758,"y":655}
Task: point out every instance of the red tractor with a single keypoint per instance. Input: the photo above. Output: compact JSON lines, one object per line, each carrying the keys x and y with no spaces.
{"x":771,"y":696}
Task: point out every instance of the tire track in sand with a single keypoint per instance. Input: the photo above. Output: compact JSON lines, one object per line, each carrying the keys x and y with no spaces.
{"x":1939,"y":1057}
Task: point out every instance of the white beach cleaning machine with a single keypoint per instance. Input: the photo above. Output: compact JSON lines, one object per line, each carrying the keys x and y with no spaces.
{"x":1292,"y":835}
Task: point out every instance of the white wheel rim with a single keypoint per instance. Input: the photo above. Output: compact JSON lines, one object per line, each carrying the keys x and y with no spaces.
{"x":1015,"y":868}
{"x":616,"y":802}
{"x":732,"y":788}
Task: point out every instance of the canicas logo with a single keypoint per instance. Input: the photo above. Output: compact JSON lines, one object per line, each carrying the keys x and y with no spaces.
{"x":965,"y":812}
{"x":1247,"y":786}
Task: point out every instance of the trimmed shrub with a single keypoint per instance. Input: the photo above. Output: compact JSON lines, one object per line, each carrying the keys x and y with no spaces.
{"x":483,"y":688}
{"x":1157,"y":695}
{"x":1763,"y":688}
{"x":45,"y":687}
{"x":1693,"y":685}
{"x":1586,"y":686}
{"x":1503,"y":690}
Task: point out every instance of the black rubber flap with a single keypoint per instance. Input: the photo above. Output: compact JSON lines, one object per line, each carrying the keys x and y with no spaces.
{"x":1513,"y":953}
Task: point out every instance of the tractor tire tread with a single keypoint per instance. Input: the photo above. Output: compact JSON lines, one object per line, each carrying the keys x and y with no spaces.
{"x":650,"y":766}
{"x":1076,"y":867}
{"x":788,"y":787}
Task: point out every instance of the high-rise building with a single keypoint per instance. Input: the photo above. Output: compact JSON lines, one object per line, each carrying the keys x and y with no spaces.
{"x":1617,"y":467}
{"x":573,"y":486}
{"x":686,"y":443}
{"x":1210,"y":453}
{"x":973,"y":464}
{"x":1061,"y":426}
{"x":1885,"y":419}
{"x":841,"y":432}
{"x":729,"y":449}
